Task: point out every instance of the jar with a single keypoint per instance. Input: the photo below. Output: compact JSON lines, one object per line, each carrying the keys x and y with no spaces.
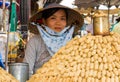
{"x":101,"y":25}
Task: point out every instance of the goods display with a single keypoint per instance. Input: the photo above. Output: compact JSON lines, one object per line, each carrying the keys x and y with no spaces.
{"x":6,"y":77}
{"x":13,"y":45}
{"x":87,"y":59}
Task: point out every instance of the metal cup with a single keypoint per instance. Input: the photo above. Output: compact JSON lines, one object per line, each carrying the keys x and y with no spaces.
{"x":20,"y":71}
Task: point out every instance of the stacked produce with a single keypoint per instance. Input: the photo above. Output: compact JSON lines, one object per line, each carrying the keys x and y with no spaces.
{"x":87,"y":59}
{"x":6,"y":77}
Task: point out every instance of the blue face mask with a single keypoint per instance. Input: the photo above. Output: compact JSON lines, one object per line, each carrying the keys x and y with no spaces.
{"x":55,"y":40}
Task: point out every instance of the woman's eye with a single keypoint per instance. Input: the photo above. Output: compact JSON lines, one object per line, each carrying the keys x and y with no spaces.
{"x":53,"y":18}
{"x":63,"y":18}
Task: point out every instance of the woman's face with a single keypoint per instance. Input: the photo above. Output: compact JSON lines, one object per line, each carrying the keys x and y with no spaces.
{"x":57,"y":21}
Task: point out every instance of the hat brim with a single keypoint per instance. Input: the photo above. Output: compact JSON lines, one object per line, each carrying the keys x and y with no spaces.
{"x":74,"y":17}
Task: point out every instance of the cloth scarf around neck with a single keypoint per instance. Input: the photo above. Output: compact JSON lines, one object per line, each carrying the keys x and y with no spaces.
{"x":55,"y":40}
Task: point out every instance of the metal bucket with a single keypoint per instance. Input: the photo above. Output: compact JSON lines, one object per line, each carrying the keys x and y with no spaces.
{"x":20,"y":71}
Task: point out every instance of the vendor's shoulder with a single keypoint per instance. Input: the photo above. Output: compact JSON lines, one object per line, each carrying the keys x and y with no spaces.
{"x":35,"y":37}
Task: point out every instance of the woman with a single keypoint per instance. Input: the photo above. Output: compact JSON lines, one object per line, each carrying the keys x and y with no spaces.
{"x":116,"y":27}
{"x":56,"y":25}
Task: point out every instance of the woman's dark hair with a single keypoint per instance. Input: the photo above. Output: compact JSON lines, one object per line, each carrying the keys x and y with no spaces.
{"x":49,"y":12}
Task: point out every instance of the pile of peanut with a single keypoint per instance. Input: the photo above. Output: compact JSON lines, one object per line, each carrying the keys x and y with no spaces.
{"x":6,"y":77}
{"x":87,"y":59}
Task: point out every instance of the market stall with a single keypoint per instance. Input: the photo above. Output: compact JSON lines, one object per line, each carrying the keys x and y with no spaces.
{"x":89,"y":57}
{"x":11,"y":39}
